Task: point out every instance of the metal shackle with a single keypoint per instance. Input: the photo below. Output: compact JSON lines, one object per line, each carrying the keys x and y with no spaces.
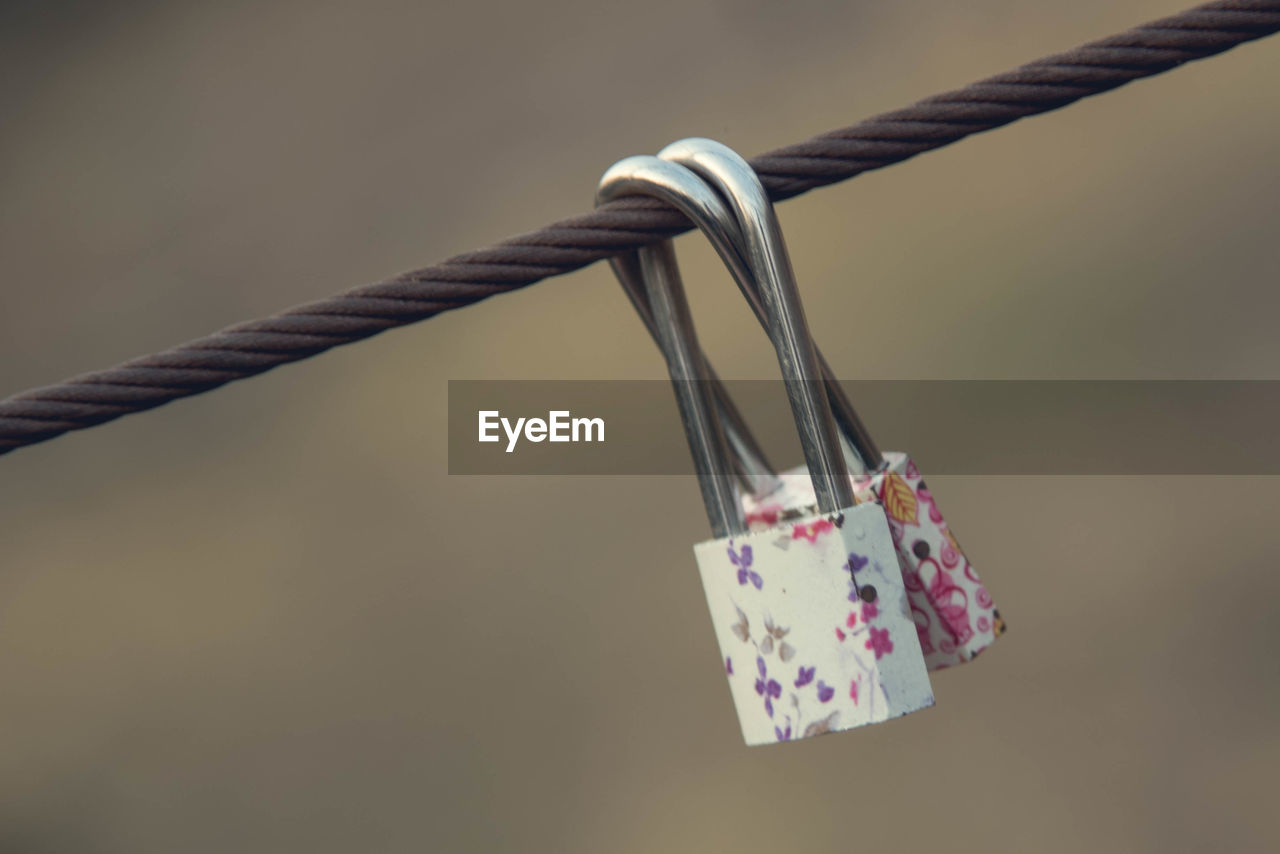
{"x":731,"y":174}
{"x":764,"y":264}
{"x":721,"y":166}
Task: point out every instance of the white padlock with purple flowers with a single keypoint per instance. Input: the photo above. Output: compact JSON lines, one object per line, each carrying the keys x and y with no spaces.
{"x":814,"y":625}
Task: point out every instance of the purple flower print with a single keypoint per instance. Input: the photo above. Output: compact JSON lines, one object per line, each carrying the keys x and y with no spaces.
{"x":743,"y":559}
{"x":783,"y":735}
{"x":805,"y":677}
{"x":768,"y":688}
{"x":728,"y":665}
{"x":879,"y":642}
{"x":825,"y":692}
{"x":855,"y":563}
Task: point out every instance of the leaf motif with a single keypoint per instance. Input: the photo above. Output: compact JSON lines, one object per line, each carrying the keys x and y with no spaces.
{"x":900,"y":500}
{"x":766,"y":645}
{"x":824,"y":725}
{"x":742,"y":628}
{"x":786,"y":651}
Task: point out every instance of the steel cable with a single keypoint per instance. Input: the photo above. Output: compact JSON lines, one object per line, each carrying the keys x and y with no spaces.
{"x":251,"y":348}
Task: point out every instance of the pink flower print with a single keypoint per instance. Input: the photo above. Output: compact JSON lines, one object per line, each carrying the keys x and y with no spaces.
{"x":950,"y":557}
{"x":853,"y":689}
{"x":869,"y":610}
{"x":922,"y":622}
{"x":879,"y":642}
{"x":811,"y":531}
{"x":825,"y":692}
{"x":805,"y":677}
{"x":852,"y":619}
{"x":983,"y":624}
{"x":983,"y":598}
{"x":840,"y":634}
{"x":743,"y":559}
{"x":768,"y":688}
{"x":948,"y":599}
{"x":911,"y":471}
{"x":767,"y":515}
{"x":935,"y":516}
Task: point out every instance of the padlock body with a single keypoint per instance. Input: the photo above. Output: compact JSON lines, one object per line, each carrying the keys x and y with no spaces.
{"x":804,"y":652}
{"x":954,"y":614}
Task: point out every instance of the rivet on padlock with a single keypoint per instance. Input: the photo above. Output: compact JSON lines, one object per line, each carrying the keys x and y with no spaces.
{"x":955,"y":616}
{"x":804,"y":653}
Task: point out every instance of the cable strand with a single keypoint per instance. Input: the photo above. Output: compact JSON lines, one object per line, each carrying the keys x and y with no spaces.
{"x":254,"y":347}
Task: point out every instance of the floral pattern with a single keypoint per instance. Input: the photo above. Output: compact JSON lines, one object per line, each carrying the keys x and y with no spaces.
{"x":954,"y":615}
{"x":879,"y":642}
{"x":806,"y":681}
{"x":742,"y":558}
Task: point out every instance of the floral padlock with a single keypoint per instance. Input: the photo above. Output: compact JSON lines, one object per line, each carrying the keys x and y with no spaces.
{"x":954,"y":614}
{"x":812,"y":618}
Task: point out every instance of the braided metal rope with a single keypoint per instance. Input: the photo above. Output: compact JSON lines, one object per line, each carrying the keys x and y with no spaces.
{"x":251,"y":348}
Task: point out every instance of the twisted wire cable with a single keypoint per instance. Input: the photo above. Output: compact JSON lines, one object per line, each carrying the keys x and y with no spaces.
{"x":251,"y":348}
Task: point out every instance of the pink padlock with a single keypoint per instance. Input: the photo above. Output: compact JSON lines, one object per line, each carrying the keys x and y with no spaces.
{"x":954,"y":614}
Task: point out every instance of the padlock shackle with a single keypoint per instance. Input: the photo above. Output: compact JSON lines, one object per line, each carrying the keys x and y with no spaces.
{"x":730,"y":174}
{"x":747,"y":456}
{"x":758,"y":259}
{"x":709,"y":212}
{"x":695,"y":394}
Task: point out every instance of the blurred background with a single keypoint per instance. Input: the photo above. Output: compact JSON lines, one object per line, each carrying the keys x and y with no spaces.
{"x":266,"y":619}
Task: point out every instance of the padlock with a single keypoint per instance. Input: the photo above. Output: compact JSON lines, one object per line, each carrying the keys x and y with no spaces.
{"x":809,"y":645}
{"x":954,"y":614}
